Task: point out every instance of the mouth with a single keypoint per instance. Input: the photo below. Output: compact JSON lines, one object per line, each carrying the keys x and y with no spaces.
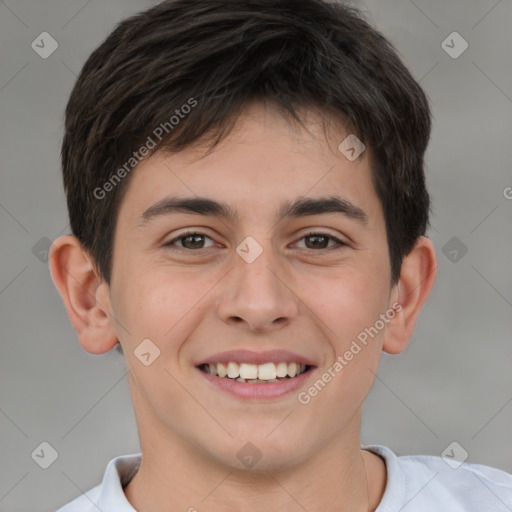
{"x":256,"y":376}
{"x":247,"y":373}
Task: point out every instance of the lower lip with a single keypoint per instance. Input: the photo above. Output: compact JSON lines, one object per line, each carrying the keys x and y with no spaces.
{"x":258,"y":391}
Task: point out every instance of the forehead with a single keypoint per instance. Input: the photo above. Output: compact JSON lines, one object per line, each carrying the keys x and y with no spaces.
{"x":264,"y":165}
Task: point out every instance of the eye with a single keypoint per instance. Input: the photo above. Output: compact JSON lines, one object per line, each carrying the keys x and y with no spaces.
{"x":194,"y":240}
{"x":320,"y":241}
{"x":190,"y":240}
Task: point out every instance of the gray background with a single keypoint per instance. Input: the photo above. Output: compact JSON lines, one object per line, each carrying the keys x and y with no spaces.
{"x":454,"y":382}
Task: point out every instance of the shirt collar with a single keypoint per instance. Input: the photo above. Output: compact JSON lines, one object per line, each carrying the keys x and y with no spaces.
{"x":394,"y":493}
{"x":118,"y":474}
{"x":122,"y":469}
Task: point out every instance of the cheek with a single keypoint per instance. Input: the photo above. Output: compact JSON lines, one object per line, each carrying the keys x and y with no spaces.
{"x":148,"y":304}
{"x":355,"y":335}
{"x":164,"y":305}
{"x":347,"y":301}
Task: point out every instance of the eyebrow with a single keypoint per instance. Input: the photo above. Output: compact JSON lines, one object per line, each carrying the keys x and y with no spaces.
{"x":302,"y":207}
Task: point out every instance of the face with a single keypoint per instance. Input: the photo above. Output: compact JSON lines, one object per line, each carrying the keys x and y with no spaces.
{"x":269,"y":283}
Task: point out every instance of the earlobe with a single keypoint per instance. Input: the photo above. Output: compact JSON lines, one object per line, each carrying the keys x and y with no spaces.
{"x":417,"y":278}
{"x":84,"y":293}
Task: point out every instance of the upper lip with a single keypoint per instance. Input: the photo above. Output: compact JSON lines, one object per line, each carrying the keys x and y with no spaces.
{"x":250,"y":357}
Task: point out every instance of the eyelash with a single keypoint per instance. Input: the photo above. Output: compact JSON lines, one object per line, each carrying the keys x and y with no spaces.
{"x":340,"y":244}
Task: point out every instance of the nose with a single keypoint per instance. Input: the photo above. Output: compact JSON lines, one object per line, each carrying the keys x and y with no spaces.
{"x":258,"y":295}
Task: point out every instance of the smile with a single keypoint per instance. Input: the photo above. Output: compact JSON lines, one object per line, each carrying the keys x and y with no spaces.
{"x":262,"y":382}
{"x":255,"y":373}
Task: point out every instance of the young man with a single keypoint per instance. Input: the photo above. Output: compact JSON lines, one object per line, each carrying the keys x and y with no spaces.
{"x":246,"y":193}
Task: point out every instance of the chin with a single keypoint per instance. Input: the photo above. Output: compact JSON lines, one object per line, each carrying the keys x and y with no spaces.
{"x":251,"y":450}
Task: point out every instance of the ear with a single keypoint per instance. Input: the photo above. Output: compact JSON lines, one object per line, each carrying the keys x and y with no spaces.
{"x":417,"y":277}
{"x":85,"y":295}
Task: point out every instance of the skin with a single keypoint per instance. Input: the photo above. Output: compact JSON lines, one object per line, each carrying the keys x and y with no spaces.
{"x":193,"y":306}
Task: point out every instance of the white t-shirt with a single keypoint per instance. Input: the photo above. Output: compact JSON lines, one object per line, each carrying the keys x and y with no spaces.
{"x":420,"y":483}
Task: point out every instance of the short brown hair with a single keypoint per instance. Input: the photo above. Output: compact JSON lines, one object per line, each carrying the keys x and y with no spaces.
{"x":297,"y":54}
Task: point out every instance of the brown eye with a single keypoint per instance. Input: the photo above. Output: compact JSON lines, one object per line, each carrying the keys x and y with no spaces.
{"x":318,"y":241}
{"x":190,"y":241}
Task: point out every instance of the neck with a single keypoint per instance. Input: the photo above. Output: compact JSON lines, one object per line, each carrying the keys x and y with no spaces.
{"x":339,"y":477}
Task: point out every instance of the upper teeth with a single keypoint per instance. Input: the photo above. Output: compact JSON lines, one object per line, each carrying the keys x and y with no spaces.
{"x":266,"y":371}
